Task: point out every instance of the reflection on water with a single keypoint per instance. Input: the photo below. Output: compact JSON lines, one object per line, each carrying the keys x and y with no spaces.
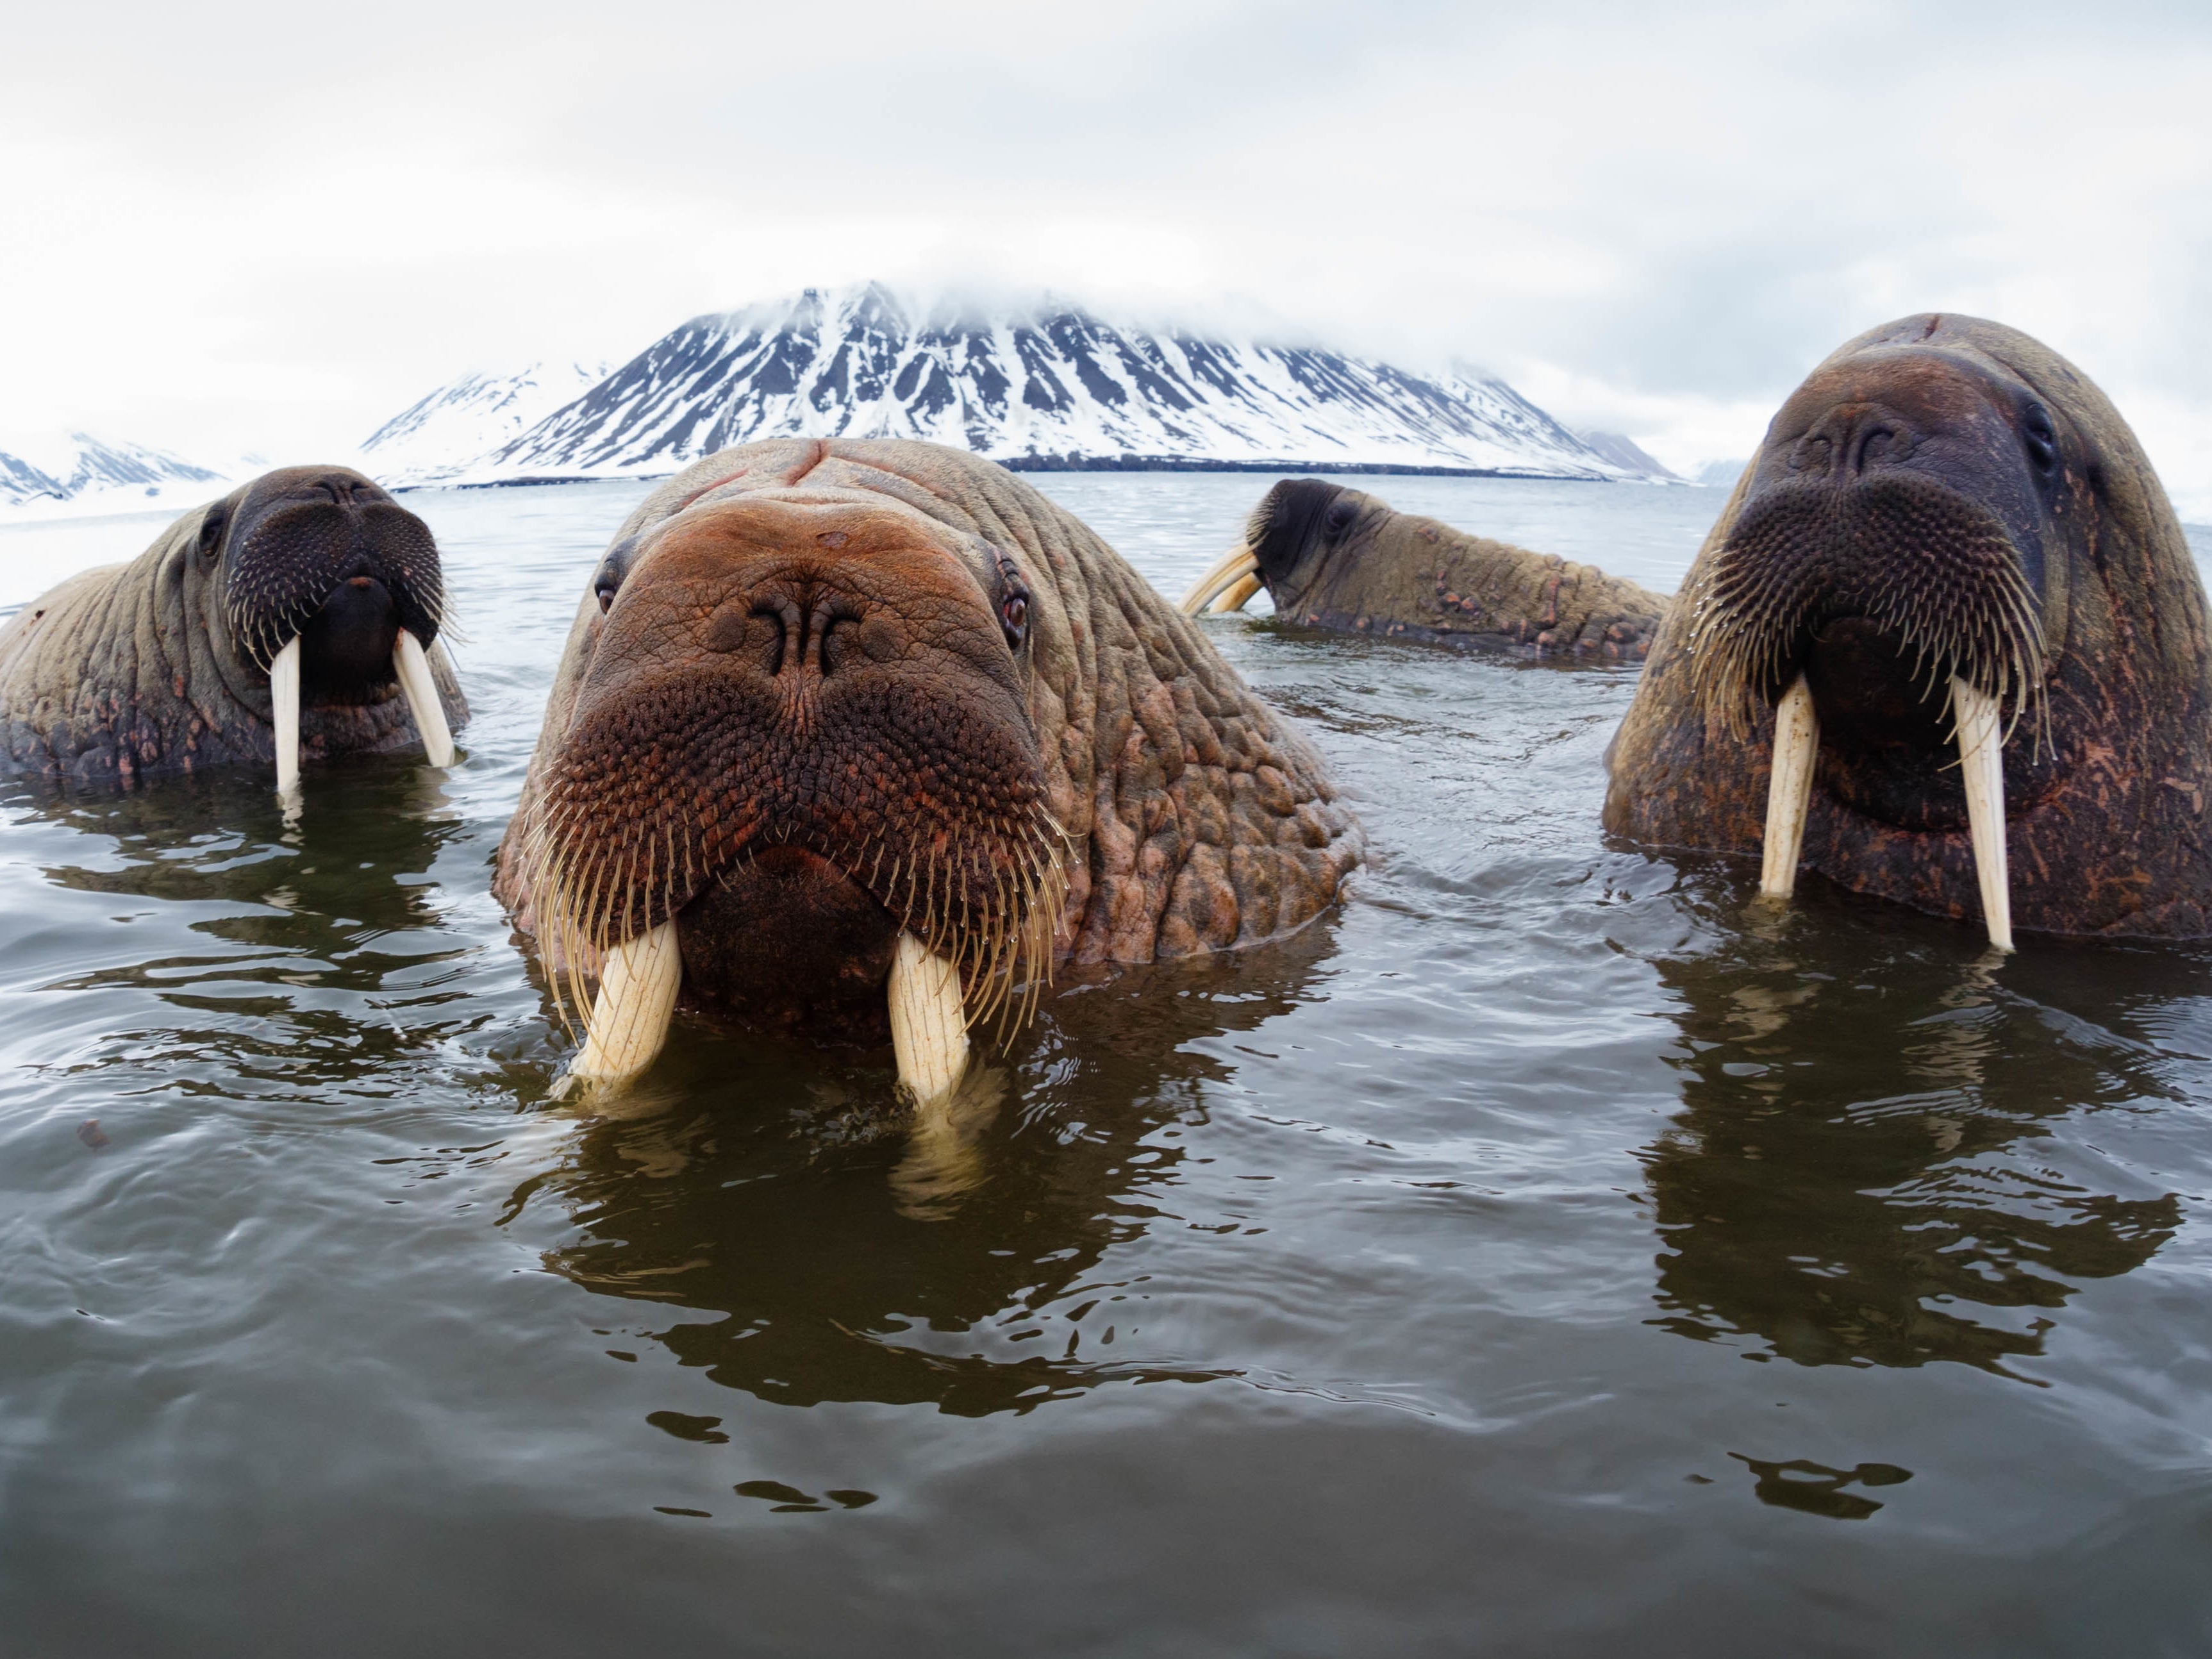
{"x":1816,"y":1489}
{"x":295,"y":927}
{"x":1858,"y":1174}
{"x":789,"y":1204}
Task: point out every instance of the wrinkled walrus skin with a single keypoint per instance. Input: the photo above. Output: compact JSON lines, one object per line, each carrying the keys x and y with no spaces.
{"x":1336,"y":558}
{"x":822,"y":690}
{"x":1926,"y":466}
{"x":161,"y":666}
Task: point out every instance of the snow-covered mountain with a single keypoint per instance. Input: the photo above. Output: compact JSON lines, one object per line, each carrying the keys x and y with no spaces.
{"x":74,"y":474}
{"x":1045,"y":384}
{"x":476,"y":415}
{"x":1625,"y":451}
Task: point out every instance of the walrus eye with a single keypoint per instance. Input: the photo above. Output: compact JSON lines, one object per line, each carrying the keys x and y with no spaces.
{"x":1338,"y":518}
{"x":211,"y":529}
{"x":1014,"y":618}
{"x":2042,"y":437}
{"x":607,"y":579}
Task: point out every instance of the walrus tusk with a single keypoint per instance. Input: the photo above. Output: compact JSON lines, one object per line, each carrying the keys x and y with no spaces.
{"x":929,"y":1027}
{"x":1234,"y":597}
{"x":413,"y":669}
{"x":1233,"y":568}
{"x":1790,"y":791}
{"x":285,"y":706}
{"x":630,"y":1015}
{"x":1981,"y":761}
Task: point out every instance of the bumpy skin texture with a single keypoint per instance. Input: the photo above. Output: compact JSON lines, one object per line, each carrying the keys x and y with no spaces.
{"x":1336,"y":558}
{"x":161,"y":666}
{"x":801,"y":664}
{"x":1912,"y":430}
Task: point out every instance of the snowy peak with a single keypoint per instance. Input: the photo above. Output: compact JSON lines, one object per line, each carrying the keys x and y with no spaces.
{"x":77,"y":473}
{"x":477,"y":413}
{"x":1043,"y":383}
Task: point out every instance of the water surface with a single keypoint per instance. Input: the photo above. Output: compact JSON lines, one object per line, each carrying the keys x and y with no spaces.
{"x":1550,"y":1253}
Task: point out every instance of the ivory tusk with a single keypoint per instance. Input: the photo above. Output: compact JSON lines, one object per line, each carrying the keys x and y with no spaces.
{"x":285,"y":706}
{"x":1790,"y":791}
{"x":630,"y":1015}
{"x":929,"y":1026}
{"x":413,"y":668}
{"x":1981,"y":761}
{"x":1238,"y":595}
{"x":1232,"y":568}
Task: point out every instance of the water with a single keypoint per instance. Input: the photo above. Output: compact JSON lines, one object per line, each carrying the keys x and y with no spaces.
{"x":1548,"y":1253}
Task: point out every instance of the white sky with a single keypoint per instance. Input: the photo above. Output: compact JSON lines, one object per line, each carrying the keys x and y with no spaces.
{"x":242,"y":226}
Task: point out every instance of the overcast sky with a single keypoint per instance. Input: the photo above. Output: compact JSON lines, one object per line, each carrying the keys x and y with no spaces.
{"x":271,"y":227}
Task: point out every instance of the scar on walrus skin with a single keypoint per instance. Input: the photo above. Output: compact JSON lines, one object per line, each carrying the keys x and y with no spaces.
{"x":857,"y":740}
{"x":1945,"y":646}
{"x":1336,"y":558}
{"x":295,"y":619}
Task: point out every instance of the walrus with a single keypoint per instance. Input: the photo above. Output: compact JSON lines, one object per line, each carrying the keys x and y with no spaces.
{"x":1336,"y":558}
{"x":858,"y":739}
{"x":1953,"y":584}
{"x":298,"y":616}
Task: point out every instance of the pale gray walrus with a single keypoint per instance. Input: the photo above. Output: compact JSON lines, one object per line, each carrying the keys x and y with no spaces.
{"x":297,"y":617}
{"x":1951,"y":583}
{"x":1337,"y":558}
{"x":857,"y":737}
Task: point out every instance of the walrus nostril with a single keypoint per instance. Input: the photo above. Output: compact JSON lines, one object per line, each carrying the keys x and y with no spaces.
{"x":1881,"y":443}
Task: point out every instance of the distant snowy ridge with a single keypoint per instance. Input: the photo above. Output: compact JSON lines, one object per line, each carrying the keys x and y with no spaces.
{"x":1045,"y":384}
{"x":1624,"y":451}
{"x":442,"y":432}
{"x":75,"y":475}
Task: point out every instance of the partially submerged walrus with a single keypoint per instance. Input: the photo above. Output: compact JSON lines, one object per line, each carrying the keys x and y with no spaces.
{"x":299,"y":614}
{"x":1333,"y":557}
{"x":857,"y":737}
{"x":1952,"y":580}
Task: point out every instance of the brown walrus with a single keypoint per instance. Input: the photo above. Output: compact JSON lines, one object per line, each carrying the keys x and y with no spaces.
{"x":1953,"y":580}
{"x":1333,"y":557}
{"x":861,"y":736}
{"x":298,"y":614}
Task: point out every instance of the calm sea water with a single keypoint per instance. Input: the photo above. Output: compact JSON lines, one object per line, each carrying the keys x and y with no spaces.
{"x":1550,"y":1253}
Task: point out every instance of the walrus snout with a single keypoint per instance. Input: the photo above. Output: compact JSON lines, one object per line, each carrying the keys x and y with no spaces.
{"x":1852,"y":438}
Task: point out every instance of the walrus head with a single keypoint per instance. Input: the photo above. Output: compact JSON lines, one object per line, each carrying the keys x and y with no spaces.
{"x":326,"y":584}
{"x":1950,"y":586}
{"x":800,"y":784}
{"x":1301,"y":527}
